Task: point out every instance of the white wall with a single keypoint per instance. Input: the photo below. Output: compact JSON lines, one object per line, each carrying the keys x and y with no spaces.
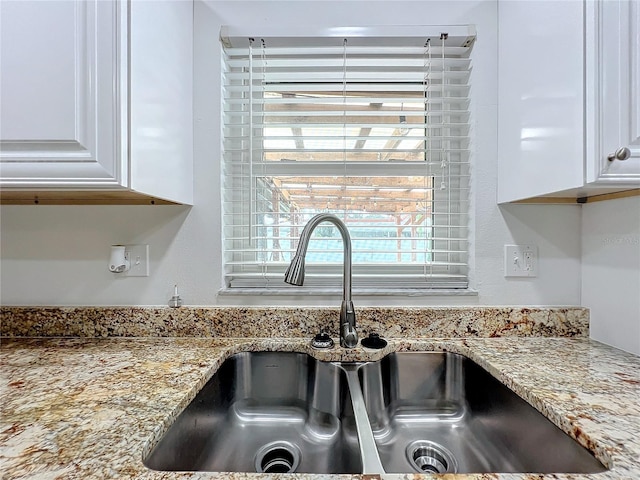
{"x":611,"y":271}
{"x":58,"y":255}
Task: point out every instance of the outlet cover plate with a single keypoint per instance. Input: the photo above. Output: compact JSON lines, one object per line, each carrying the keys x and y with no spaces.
{"x":138,"y":256}
{"x":520,"y":261}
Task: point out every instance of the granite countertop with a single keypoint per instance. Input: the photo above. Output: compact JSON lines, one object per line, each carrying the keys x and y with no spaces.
{"x":90,"y":408}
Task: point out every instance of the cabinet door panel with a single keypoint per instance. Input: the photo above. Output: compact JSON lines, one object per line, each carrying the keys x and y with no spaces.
{"x":615,"y":90}
{"x":60,"y":108}
{"x":540,"y":98}
{"x":30,"y":47}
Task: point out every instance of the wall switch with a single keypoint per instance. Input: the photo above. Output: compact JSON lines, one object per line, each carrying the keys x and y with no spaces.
{"x":138,"y":256}
{"x":520,"y":261}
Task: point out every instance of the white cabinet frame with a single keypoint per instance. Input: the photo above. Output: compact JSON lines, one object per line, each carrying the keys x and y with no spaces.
{"x":97,"y":101}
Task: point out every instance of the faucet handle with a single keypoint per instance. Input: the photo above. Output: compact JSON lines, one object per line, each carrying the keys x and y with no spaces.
{"x":349,"y":336}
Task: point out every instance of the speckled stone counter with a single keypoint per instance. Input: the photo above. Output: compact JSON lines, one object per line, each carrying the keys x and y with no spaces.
{"x":91,"y":408}
{"x":449,"y":322}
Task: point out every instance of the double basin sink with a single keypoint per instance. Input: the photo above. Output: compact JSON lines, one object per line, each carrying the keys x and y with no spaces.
{"x":427,"y":412}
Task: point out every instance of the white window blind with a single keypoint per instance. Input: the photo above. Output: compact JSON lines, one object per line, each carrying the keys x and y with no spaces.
{"x":376,"y":131}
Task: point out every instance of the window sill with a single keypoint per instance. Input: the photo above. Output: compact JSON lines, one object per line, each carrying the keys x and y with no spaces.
{"x":302,"y":291}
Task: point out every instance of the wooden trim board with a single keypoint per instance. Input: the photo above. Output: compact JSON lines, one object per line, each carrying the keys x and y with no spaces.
{"x":84,"y":197}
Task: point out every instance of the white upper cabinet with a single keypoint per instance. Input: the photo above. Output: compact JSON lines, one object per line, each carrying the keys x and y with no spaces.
{"x":567,"y":98}
{"x":96,"y":98}
{"x":613,"y":91}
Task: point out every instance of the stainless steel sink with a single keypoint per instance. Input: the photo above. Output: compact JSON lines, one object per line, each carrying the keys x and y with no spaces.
{"x":441,"y":412}
{"x":278,"y":412}
{"x":272,"y":412}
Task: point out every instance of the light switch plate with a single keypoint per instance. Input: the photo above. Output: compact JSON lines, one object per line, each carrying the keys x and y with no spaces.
{"x":138,"y":256}
{"x":520,"y":261}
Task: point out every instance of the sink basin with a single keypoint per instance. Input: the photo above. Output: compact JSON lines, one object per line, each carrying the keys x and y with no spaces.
{"x":271,"y":412}
{"x":434,"y":412}
{"x":441,"y":412}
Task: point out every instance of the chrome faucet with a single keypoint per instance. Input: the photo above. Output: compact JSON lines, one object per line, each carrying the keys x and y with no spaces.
{"x":295,"y":275}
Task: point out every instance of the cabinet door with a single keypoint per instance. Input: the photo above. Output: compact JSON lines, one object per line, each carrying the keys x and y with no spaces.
{"x":613,"y":91}
{"x":540,"y":98}
{"x":60,"y":122}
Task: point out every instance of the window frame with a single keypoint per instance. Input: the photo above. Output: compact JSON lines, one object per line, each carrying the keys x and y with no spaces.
{"x":317,"y":274}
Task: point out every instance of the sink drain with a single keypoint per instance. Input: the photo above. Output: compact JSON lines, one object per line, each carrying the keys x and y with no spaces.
{"x":277,"y":457}
{"x":429,"y":457}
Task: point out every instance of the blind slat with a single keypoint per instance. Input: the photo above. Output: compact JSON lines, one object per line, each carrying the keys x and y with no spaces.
{"x":283,"y":265}
{"x":298,"y":62}
{"x":436,"y":50}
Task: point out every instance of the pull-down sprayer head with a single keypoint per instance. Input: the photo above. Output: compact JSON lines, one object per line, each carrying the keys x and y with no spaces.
{"x":295,"y":273}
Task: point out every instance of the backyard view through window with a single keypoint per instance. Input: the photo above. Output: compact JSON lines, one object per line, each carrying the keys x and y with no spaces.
{"x":378,"y":135}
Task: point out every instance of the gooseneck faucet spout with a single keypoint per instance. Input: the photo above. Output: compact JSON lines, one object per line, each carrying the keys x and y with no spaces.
{"x":295,"y":274}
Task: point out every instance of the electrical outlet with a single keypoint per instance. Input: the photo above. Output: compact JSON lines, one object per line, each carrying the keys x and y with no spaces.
{"x":138,"y":256}
{"x":520,"y":261}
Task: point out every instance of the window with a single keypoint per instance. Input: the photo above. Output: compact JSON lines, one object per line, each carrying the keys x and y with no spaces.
{"x":375,"y":130}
